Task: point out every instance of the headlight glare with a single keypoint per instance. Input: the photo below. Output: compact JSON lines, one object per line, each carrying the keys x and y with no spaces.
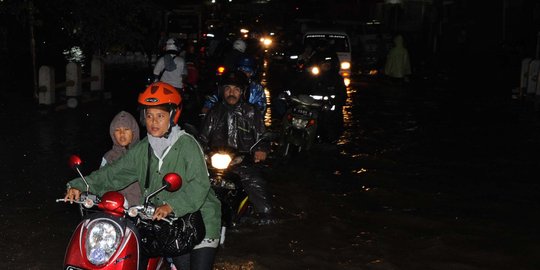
{"x":220,"y":161}
{"x":345,"y":65}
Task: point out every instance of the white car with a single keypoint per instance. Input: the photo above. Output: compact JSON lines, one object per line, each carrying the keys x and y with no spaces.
{"x":340,"y":43}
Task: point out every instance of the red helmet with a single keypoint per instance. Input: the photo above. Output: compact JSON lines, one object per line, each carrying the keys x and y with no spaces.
{"x":162,"y":94}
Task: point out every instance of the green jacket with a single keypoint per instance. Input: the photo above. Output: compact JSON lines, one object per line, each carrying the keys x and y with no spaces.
{"x":185,"y":158}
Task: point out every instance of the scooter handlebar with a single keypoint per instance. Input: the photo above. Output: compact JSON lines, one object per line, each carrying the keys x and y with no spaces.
{"x":86,"y":202}
{"x":144,"y":213}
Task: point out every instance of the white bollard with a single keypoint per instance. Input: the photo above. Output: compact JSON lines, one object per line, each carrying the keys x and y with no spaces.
{"x":47,"y":93}
{"x":524,"y":75}
{"x":534,"y":68}
{"x":97,"y":71}
{"x":73,"y":90}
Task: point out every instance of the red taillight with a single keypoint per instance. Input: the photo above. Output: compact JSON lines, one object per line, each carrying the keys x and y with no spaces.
{"x":311,"y":122}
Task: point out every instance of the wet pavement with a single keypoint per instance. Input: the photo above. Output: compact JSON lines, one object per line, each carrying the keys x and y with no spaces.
{"x":423,"y":178}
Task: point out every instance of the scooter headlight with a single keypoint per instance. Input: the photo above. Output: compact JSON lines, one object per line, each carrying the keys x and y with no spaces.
{"x":220,"y":161}
{"x":102,"y":240}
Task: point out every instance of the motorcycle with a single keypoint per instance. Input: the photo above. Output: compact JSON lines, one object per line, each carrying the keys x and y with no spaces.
{"x":109,"y":238}
{"x":235,"y":204}
{"x":301,"y":125}
{"x":325,"y":86}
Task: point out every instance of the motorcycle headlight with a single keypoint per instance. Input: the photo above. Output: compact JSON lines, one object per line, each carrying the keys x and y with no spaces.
{"x":102,"y":240}
{"x":220,"y":161}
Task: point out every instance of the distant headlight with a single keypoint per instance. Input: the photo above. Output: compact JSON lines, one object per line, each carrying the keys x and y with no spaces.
{"x":102,"y":241}
{"x":315,"y":70}
{"x":266,"y":41}
{"x":345,"y":65}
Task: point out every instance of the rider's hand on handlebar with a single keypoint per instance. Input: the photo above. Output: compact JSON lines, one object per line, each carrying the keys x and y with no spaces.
{"x":259,"y":156}
{"x":162,"y":212}
{"x":72,"y":194}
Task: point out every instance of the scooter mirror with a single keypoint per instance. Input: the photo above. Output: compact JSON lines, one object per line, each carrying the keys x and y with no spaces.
{"x":173,"y":181}
{"x":74,"y":161}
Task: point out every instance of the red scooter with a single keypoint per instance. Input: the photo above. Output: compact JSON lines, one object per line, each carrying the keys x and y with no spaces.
{"x":108,"y":238}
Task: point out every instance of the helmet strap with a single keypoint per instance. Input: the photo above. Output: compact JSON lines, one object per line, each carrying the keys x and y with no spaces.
{"x":171,"y":123}
{"x":142,"y":116}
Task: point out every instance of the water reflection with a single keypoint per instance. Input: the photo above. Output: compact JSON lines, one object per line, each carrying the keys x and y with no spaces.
{"x":268,"y":114}
{"x":359,"y":171}
{"x":347,"y":118}
{"x":294,"y":247}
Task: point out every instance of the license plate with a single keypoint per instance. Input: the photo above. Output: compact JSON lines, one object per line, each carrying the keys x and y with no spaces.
{"x":301,"y":111}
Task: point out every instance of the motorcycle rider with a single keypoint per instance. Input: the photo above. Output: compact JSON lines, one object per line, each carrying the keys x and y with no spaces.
{"x":171,"y":68}
{"x":236,"y":124}
{"x":231,"y":58}
{"x":255,"y":94}
{"x":327,"y":83}
{"x":124,"y":132}
{"x":166,"y":149}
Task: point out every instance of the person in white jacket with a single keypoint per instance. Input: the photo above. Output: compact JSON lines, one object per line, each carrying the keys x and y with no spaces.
{"x":171,"y":68}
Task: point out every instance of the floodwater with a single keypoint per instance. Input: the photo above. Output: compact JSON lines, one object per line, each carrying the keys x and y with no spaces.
{"x":422,"y":178}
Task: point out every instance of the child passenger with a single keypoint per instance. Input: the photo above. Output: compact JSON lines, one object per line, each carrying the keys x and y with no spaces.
{"x":124,"y":132}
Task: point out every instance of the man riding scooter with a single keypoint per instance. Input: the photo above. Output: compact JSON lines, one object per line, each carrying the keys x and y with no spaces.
{"x":236,"y":124}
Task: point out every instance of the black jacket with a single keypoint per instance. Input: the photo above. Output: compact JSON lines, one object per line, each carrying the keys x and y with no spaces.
{"x":237,"y":127}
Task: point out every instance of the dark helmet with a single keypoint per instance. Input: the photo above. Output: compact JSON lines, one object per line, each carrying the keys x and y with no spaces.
{"x":246,"y":64}
{"x":237,"y":78}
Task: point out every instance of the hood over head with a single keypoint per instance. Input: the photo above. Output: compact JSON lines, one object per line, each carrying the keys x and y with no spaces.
{"x":122,"y":119}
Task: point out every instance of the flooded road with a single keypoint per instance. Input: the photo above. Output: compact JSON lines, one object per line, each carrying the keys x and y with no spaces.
{"x":422,"y":178}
